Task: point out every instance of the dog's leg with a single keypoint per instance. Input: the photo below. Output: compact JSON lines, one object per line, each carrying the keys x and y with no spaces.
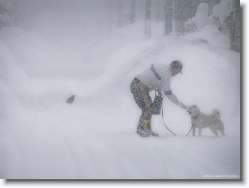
{"x":214,"y":130}
{"x":222,"y":132}
{"x":193,"y":129}
{"x":199,"y":131}
{"x":221,"y":128}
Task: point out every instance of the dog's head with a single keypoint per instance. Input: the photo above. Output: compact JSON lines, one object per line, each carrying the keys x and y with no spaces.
{"x":193,"y":110}
{"x":216,"y":113}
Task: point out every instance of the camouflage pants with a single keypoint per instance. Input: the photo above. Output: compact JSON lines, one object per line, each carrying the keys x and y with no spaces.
{"x":142,"y":97}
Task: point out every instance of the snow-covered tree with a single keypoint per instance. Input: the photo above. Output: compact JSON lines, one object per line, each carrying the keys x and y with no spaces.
{"x":227,"y":14}
{"x":199,"y":21}
{"x":223,"y":9}
{"x":233,"y":24}
{"x":185,"y":9}
{"x":211,"y":4}
{"x":178,"y":12}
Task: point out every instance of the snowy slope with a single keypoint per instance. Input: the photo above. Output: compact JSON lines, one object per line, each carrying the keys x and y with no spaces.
{"x":41,"y":136}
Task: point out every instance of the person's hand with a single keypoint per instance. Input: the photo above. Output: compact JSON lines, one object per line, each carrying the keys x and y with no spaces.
{"x":159,"y":92}
{"x":182,"y":105}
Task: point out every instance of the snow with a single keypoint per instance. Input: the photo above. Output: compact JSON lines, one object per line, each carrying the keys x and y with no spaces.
{"x":223,"y":9}
{"x":43,"y":137}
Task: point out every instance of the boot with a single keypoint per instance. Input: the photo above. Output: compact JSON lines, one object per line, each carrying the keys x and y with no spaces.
{"x":141,"y":128}
{"x":148,"y":130}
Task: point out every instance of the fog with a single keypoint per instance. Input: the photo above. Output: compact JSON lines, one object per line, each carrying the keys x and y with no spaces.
{"x":62,"y":15}
{"x":73,"y":14}
{"x":77,"y":20}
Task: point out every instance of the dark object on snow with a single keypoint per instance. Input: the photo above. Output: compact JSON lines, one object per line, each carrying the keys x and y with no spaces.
{"x":71,"y":99}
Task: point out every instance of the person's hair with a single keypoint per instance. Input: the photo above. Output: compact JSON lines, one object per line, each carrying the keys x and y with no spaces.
{"x":176,"y":64}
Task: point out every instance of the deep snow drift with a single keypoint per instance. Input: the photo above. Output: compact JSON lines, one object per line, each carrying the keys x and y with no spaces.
{"x":41,"y":136}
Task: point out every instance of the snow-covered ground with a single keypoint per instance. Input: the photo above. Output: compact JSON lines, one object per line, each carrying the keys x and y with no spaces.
{"x":43,"y":137}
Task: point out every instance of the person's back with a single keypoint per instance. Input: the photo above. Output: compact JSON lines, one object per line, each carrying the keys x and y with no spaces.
{"x":156,"y":77}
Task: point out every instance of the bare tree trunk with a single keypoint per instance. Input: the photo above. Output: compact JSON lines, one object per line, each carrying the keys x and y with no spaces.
{"x":168,"y":17}
{"x":133,"y":11}
{"x":120,"y":13}
{"x":148,"y":19}
{"x":158,"y":7}
{"x":109,"y":9}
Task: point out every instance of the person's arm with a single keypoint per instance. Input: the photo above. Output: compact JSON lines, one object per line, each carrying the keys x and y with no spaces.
{"x":167,"y":91}
{"x":174,"y":99}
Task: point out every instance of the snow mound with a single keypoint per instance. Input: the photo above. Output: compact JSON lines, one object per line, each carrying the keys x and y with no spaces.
{"x":211,"y":35}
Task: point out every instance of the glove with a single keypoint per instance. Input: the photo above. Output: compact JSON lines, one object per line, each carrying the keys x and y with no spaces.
{"x":182,"y":105}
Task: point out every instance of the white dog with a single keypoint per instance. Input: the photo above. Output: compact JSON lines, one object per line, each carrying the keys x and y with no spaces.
{"x":200,"y":121}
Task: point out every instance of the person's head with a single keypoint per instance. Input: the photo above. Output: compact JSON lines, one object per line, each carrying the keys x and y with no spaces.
{"x":176,"y":67}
